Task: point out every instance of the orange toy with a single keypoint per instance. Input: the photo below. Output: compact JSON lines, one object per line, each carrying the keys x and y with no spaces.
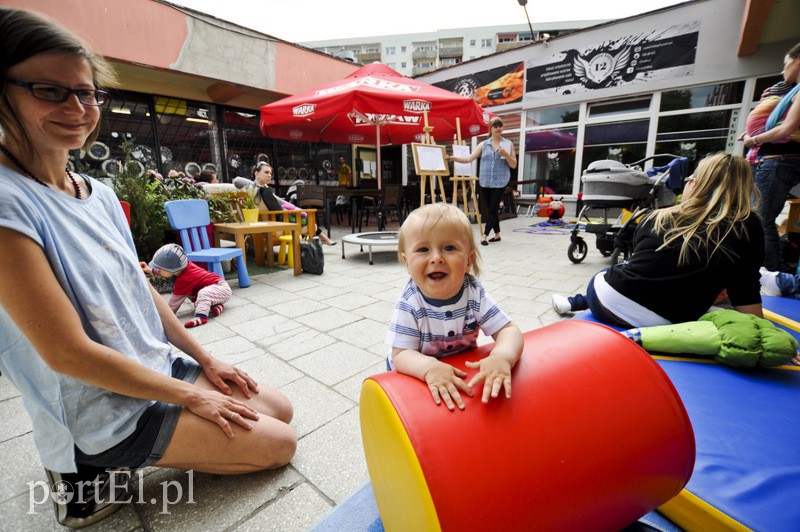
{"x":593,"y":438}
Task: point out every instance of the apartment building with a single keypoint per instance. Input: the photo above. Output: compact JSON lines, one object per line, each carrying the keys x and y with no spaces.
{"x":413,"y":54}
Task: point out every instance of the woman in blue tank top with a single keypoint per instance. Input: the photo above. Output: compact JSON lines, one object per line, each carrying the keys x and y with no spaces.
{"x":497,"y":159}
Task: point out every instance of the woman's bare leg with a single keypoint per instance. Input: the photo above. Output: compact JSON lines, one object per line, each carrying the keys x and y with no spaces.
{"x":201,"y":445}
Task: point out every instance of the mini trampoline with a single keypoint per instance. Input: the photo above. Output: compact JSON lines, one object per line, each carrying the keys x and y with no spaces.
{"x":370,"y":240}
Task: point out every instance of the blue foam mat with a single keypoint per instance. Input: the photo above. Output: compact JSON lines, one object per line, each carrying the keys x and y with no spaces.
{"x":359,"y":513}
{"x":746,"y":434}
{"x":785,"y":306}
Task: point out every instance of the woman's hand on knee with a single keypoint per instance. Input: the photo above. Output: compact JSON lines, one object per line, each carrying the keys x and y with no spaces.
{"x":218,"y":372}
{"x":222,"y":410}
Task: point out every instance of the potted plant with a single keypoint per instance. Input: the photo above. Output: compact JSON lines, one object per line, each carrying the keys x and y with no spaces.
{"x":250,"y":211}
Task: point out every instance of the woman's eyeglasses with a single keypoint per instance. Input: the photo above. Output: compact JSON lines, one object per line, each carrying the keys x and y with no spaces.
{"x":50,"y":92}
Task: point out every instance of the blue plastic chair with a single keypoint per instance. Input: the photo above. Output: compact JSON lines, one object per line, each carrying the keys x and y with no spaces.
{"x":190,"y":218}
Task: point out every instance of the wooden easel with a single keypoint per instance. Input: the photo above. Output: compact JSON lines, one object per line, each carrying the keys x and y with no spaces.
{"x":428,"y":139}
{"x":464,"y":181}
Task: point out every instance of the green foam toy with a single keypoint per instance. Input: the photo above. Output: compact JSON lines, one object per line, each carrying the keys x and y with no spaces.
{"x":730,"y":337}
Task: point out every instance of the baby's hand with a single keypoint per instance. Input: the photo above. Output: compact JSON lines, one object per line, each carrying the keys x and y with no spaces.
{"x":495,"y":371}
{"x":444,"y":381}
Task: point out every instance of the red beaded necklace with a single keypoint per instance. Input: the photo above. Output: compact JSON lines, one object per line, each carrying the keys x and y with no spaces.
{"x":28,"y":173}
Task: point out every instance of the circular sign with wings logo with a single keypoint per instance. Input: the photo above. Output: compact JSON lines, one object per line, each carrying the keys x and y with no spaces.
{"x":602,"y":69}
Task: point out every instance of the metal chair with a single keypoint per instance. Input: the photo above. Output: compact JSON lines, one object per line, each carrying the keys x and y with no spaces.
{"x":315,"y":197}
{"x":391,"y":200}
{"x":190,"y":218}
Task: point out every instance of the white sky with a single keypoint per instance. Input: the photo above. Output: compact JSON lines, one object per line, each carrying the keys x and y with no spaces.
{"x":312,"y":20}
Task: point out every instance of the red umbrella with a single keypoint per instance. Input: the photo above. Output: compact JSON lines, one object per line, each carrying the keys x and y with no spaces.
{"x":373,"y":105}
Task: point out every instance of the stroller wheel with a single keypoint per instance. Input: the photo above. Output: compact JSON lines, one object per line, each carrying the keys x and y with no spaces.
{"x":619,"y":255}
{"x":605,"y":252}
{"x":577,"y":250}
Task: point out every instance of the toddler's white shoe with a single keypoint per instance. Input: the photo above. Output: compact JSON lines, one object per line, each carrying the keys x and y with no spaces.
{"x":769,"y":283}
{"x":561,"y":304}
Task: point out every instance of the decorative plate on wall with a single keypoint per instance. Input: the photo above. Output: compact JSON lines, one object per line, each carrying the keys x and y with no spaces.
{"x":281,"y":172}
{"x":111,"y":167}
{"x":142,"y":153}
{"x":98,"y":151}
{"x":191,"y":169}
{"x":262,"y":157}
{"x":211,"y":167}
{"x":136,"y":168}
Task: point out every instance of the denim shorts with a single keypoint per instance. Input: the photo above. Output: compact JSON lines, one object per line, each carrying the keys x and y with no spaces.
{"x":146,"y":445}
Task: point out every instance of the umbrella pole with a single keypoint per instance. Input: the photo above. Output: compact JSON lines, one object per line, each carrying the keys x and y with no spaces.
{"x":379,"y":173}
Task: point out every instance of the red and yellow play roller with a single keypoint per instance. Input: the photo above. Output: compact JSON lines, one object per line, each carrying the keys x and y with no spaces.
{"x":594,"y":437}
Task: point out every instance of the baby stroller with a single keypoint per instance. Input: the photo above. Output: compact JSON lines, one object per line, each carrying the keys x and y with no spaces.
{"x":611,"y":184}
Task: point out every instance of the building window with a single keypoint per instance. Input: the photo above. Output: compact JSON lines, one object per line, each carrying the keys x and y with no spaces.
{"x":706,"y":96}
{"x":390,"y":50}
{"x":126,"y":120}
{"x":625,"y":142}
{"x":472,"y":42}
{"x":550,"y":155}
{"x":402,"y":64}
{"x":486,"y":43}
{"x":763,"y":84}
{"x":641,"y":105}
{"x":693,"y":135}
{"x":424,"y":64}
{"x":244,"y":142}
{"x":552,"y":116}
{"x":402,"y":49}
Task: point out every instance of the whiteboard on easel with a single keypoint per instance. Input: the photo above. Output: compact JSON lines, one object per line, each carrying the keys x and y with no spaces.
{"x":430,"y":159}
{"x":463,"y":169}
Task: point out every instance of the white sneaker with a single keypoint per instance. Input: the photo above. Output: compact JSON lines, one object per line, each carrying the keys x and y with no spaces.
{"x":561,"y":304}
{"x":769,"y":283}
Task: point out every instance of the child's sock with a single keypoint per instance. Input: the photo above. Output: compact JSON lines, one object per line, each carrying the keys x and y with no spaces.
{"x":196,"y":322}
{"x":217,"y":309}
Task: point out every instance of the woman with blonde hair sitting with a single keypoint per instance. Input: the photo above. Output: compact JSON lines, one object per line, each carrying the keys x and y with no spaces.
{"x":686,"y":255}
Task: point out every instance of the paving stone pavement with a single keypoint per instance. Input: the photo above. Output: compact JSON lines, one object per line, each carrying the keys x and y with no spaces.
{"x":315,"y":338}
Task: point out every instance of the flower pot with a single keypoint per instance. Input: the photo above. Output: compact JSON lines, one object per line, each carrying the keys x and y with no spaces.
{"x":250,"y":215}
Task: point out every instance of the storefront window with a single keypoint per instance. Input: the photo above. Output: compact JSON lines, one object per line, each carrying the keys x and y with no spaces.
{"x":550,"y":155}
{"x":244,"y":144}
{"x":605,"y":109}
{"x":625,"y":142}
{"x":126,"y":118}
{"x":554,"y":115}
{"x":694,"y":135}
{"x":706,"y":96}
{"x":188,"y":131}
{"x":764,"y":83}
